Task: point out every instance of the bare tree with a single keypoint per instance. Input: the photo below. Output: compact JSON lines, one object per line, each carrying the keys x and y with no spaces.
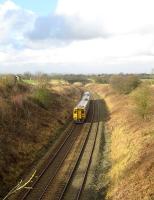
{"x":21,"y":185}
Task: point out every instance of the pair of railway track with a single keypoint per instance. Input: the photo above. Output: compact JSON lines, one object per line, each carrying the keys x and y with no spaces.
{"x":47,"y":177}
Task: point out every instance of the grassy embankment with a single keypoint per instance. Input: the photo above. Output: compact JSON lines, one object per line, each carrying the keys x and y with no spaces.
{"x":132,"y":148}
{"x":149,"y":81}
{"x":30,"y":120}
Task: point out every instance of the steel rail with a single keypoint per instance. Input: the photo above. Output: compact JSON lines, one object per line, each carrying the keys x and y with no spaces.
{"x":90,"y":159}
{"x":69,"y":132}
{"x":78,"y":160}
{"x":56,"y":171}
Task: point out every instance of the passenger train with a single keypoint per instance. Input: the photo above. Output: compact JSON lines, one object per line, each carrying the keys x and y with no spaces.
{"x":81,"y":110}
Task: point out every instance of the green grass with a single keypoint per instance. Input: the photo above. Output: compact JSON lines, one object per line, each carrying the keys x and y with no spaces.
{"x":31,"y":82}
{"x":42,"y":97}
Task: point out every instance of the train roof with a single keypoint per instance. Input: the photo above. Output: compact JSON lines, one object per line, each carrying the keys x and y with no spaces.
{"x":86,"y":93}
{"x":82,"y":103}
{"x":85,"y":99}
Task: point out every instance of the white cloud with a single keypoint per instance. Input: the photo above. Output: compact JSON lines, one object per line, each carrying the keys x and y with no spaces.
{"x":98,"y":35}
{"x":115,"y":17}
{"x":14,"y":21}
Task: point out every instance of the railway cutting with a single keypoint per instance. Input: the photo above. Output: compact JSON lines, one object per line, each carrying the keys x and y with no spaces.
{"x":66,"y":172}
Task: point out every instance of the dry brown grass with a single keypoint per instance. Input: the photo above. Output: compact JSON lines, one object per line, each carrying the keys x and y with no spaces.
{"x":132,"y":149}
{"x":27,"y":129}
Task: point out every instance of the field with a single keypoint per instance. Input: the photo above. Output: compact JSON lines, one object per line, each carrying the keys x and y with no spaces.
{"x":32,"y":82}
{"x":53,"y":82}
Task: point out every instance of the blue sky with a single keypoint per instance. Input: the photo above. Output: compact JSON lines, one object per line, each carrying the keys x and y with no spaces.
{"x":76,"y":36}
{"x":42,"y":7}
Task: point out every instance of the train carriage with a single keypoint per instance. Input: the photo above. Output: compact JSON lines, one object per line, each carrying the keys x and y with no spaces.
{"x":81,"y":110}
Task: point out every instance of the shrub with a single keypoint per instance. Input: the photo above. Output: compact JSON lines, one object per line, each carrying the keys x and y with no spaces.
{"x":18,"y":100}
{"x":5,"y":112}
{"x":124,"y":84}
{"x":42,"y":79}
{"x":102,"y":80}
{"x":42,"y":97}
{"x":143,"y":101}
{"x":7,"y":80}
{"x":20,"y":87}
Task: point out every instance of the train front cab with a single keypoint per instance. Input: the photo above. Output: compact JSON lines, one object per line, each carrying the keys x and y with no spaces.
{"x":78,"y":115}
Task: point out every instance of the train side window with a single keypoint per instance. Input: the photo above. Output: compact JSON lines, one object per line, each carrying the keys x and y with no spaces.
{"x":82,"y":111}
{"x":75,"y":111}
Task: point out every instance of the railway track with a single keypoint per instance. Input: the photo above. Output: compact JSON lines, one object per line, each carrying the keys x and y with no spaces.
{"x":75,"y":185}
{"x":52,"y":166}
{"x":47,"y":176}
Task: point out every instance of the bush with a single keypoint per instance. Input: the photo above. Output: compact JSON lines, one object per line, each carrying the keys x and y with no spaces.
{"x":20,"y":87}
{"x":101,"y":80}
{"x":7,"y":80}
{"x":124,"y":84}
{"x":42,"y":97}
{"x":143,"y":101}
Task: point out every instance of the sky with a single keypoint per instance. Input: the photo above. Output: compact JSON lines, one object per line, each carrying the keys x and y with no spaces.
{"x":41,"y":7}
{"x":76,"y":36}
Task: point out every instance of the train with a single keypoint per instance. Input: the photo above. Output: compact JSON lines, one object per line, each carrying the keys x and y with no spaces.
{"x":81,"y":110}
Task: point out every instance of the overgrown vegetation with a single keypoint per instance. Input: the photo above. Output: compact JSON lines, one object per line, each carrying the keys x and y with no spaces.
{"x":30,"y":117}
{"x":7,"y":81}
{"x":102,"y":79}
{"x":43,"y":97}
{"x":132,"y":145}
{"x":143,"y":100}
{"x":124,"y":84}
{"x":31,"y":113}
{"x":43,"y":78}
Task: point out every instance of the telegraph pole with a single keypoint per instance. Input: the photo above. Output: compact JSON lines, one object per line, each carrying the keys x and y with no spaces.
{"x":152,"y":76}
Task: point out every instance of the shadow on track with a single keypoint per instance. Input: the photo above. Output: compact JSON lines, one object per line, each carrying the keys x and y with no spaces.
{"x":103,"y":111}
